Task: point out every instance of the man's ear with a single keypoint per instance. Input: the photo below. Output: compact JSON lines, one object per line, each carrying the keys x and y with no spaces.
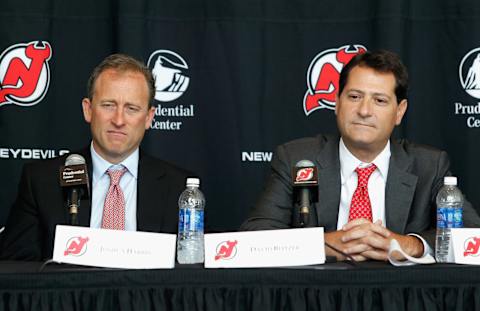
{"x":87,"y":109}
{"x":150,"y":115}
{"x":401,"y":109}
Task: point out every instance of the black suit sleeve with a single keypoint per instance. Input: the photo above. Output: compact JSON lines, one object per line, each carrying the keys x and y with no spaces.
{"x":273,"y":210}
{"x":22,"y":239}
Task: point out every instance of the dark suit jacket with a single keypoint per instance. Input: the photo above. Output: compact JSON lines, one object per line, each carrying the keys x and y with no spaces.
{"x":415,"y":175}
{"x":40,"y":205}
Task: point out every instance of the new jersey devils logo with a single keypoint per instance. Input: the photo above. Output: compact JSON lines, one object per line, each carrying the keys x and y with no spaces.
{"x":323,"y":74}
{"x":76,"y":246}
{"x":226,"y":250}
{"x":471,"y":247}
{"x":25,"y":73}
{"x":304,"y":174}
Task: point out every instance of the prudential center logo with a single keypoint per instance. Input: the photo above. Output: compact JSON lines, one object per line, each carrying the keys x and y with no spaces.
{"x":170,"y":72}
{"x":168,"y":69}
{"x":469,"y":73}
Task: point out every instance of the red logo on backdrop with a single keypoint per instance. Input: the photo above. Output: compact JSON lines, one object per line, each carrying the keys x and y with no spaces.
{"x":226,"y":250}
{"x":471,"y":247}
{"x":304,"y":174}
{"x":323,"y":74}
{"x":25,"y":73}
{"x":76,"y":246}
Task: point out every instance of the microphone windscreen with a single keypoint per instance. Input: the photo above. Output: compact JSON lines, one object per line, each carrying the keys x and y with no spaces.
{"x":74,"y":159}
{"x":304,"y":163}
{"x":75,"y":173}
{"x":304,"y":174}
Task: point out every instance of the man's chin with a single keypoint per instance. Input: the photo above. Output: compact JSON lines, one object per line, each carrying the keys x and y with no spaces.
{"x":361,"y":142}
{"x":117,"y":153}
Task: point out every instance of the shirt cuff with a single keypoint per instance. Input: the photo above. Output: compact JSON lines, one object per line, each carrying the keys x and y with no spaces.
{"x":427,"y":250}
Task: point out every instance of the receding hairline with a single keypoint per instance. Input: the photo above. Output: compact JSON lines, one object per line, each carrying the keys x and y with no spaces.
{"x":122,"y":63}
{"x":120,"y":72}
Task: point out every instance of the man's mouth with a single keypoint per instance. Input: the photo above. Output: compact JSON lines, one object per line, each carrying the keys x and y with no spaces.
{"x":116,"y":133}
{"x":363,"y":124}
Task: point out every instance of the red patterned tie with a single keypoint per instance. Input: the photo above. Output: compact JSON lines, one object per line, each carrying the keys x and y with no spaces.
{"x":114,"y":207}
{"x":361,"y":206}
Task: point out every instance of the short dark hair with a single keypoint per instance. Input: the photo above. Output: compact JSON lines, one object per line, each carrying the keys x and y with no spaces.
{"x":382,"y":61}
{"x":122,"y":63}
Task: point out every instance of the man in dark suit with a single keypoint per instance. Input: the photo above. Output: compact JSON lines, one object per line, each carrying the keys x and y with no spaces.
{"x":119,"y":110}
{"x":397,"y":200}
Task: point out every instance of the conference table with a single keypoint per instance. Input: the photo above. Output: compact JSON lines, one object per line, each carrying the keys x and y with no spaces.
{"x":333,"y":286}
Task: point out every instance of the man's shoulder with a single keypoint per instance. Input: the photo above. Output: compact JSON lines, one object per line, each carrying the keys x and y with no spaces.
{"x":153,"y":163}
{"x":45,"y":165}
{"x":314,"y":142}
{"x":310,"y":145}
{"x":416,"y":150}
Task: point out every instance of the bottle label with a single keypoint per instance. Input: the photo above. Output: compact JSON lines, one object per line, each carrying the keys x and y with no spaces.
{"x":190,"y":220}
{"x":449,"y":217}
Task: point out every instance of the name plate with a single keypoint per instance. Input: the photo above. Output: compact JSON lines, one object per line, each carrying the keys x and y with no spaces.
{"x":114,"y":248}
{"x":269,"y":248}
{"x":465,"y":243}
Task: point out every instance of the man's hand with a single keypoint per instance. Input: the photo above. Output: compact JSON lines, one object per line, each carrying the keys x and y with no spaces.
{"x":363,"y":240}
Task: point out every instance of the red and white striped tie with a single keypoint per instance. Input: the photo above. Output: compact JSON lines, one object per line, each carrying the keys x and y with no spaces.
{"x":114,"y":207}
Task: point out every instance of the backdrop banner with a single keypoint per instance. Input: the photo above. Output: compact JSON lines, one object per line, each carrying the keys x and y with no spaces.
{"x":233,"y":79}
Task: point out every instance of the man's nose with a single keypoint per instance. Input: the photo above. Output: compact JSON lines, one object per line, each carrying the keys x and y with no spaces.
{"x":118,"y":118}
{"x":366,"y":107}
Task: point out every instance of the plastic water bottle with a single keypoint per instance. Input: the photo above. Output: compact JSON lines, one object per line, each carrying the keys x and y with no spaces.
{"x":449,"y":215}
{"x":190,"y":224}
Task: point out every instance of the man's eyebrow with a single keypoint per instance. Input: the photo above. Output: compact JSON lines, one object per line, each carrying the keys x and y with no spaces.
{"x":108,"y":101}
{"x":374,"y":94}
{"x":381,"y":94}
{"x":356,"y":90}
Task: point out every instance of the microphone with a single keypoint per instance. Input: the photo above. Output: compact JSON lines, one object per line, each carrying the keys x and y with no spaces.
{"x":305,"y":182}
{"x":74,"y":181}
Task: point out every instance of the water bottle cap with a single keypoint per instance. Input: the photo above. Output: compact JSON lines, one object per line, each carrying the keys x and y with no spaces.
{"x":450,"y":180}
{"x":193,"y":182}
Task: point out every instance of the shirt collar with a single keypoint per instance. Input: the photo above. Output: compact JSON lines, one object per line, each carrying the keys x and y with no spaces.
{"x":348,"y":162}
{"x":100,"y":165}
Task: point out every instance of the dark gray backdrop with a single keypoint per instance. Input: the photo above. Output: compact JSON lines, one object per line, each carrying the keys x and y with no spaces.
{"x":247,"y":67}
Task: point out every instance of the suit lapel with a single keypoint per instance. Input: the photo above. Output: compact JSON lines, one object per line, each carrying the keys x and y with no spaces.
{"x":152,"y":190}
{"x":328,"y":185}
{"x":399,"y":190}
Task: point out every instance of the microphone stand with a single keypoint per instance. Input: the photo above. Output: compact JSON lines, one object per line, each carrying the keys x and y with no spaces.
{"x":73,"y":207}
{"x":304,"y":208}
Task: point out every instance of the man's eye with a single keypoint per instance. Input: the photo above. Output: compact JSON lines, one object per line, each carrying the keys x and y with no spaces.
{"x":133,"y":109}
{"x":382,"y":101}
{"x":107,"y":105}
{"x":354,"y":96}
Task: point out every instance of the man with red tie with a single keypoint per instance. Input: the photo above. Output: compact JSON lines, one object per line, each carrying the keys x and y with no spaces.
{"x":129,"y":189}
{"x":371,"y":189}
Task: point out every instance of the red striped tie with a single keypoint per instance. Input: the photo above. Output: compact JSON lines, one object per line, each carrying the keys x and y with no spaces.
{"x":361,"y":206}
{"x":114,"y":207}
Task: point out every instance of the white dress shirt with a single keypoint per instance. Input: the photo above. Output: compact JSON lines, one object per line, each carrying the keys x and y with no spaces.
{"x":376,"y":183}
{"x":376,"y":186}
{"x":101,"y":183}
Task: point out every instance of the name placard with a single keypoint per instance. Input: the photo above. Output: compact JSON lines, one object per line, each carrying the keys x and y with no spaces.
{"x":114,"y":248}
{"x":465,"y":243}
{"x":268,"y":248}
